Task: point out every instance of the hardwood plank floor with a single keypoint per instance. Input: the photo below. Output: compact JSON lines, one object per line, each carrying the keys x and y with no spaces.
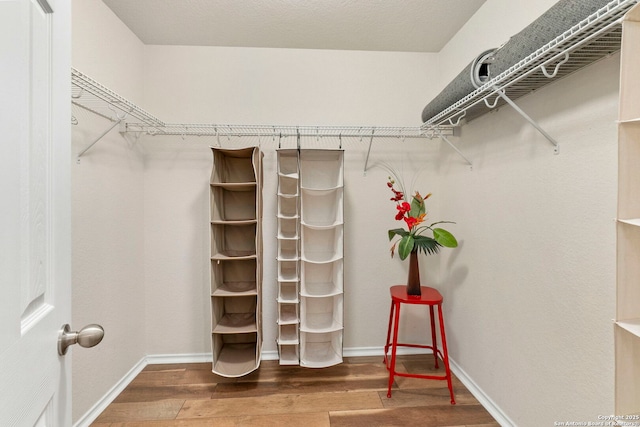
{"x":352,"y":394}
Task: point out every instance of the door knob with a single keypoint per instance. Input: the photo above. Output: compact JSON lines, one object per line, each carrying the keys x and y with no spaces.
{"x":89,"y":336}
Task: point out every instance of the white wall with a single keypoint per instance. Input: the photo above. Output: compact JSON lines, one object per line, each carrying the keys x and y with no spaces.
{"x":107,"y":211}
{"x":531,"y":291}
{"x":196,"y":84}
{"x":279,"y":86}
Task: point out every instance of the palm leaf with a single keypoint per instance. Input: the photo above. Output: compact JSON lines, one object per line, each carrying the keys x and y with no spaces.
{"x":426,"y":245}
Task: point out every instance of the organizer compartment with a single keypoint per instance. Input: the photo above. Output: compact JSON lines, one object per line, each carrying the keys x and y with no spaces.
{"x":287,"y":250}
{"x":322,"y":244}
{"x":235,"y":355}
{"x":322,"y":208}
{"x":233,"y":277}
{"x":288,"y":334}
{"x":288,"y":163}
{"x":288,"y":313}
{"x":320,"y":350}
{"x":629,"y":172}
{"x":233,"y":315}
{"x":238,"y":204}
{"x":288,"y":228}
{"x":289,"y":354}
{"x":233,"y":166}
{"x":233,"y":240}
{"x":288,"y":292}
{"x":322,"y":279}
{"x":287,"y":186}
{"x":288,"y":271}
{"x":321,"y":169}
{"x":287,"y":207}
{"x":321,"y":314}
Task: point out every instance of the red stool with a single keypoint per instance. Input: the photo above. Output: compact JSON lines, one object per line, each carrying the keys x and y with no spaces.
{"x":430,"y":297}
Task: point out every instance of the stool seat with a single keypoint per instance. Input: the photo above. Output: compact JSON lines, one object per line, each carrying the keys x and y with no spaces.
{"x":431,"y":298}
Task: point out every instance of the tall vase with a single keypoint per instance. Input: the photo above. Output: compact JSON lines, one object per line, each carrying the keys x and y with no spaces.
{"x":413,"y":281}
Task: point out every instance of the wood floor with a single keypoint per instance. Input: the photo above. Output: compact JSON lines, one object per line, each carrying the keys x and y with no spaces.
{"x":351,"y":394}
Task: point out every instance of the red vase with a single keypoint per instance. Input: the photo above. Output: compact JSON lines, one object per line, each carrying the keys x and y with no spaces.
{"x":413,"y":281}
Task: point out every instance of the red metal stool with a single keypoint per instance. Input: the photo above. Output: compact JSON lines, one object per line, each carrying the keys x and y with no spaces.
{"x":430,"y":297}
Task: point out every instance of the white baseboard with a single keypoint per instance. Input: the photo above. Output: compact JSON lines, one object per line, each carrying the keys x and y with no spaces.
{"x":155,"y":359}
{"x":477,"y":392}
{"x":93,"y":413}
{"x":159,"y":359}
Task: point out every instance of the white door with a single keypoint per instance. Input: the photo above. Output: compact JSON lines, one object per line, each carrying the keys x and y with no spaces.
{"x":35,"y":248}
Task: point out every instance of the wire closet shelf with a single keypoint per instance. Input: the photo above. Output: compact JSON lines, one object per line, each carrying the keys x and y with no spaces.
{"x":594,"y":38}
{"x":98,"y":99}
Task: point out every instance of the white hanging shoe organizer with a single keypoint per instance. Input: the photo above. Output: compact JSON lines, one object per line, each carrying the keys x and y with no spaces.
{"x":310,"y":257}
{"x":288,"y":257}
{"x":236,"y":260}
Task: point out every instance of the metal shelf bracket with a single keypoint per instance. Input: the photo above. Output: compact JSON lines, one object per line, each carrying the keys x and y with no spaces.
{"x":501,"y":94}
{"x":119,"y":121}
{"x":445,"y":139}
{"x":366,"y":161}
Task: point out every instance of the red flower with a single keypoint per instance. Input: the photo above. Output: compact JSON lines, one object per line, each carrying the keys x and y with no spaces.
{"x":411,"y":222}
{"x":403,"y":208}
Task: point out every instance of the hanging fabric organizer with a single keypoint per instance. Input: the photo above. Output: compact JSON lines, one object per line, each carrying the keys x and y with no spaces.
{"x":310,"y":257}
{"x":236,"y":260}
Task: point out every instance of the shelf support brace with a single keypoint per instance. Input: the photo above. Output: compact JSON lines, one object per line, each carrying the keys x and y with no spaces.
{"x":556,"y":146}
{"x":116,"y":123}
{"x":445,"y":139}
{"x":366,"y":161}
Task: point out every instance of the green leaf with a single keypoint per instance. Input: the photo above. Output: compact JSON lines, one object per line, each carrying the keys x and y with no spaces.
{"x":426,"y":245}
{"x":397,"y":232}
{"x":444,"y":238}
{"x":417,"y":207}
{"x":405,"y":247}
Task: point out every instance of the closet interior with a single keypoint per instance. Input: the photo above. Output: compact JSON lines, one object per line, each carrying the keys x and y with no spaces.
{"x":310,"y":204}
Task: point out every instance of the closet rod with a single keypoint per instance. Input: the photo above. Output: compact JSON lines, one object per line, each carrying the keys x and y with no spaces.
{"x":287,"y":131}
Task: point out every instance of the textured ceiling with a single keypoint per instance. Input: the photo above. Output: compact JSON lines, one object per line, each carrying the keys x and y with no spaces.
{"x":385,"y":25}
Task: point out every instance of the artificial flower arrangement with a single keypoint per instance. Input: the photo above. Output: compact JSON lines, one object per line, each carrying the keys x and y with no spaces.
{"x":414,"y":214}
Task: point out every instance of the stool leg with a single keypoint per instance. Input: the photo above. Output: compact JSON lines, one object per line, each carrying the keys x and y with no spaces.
{"x":434,"y":341}
{"x":387,"y":342}
{"x":394,"y":347}
{"x":445,"y":355}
